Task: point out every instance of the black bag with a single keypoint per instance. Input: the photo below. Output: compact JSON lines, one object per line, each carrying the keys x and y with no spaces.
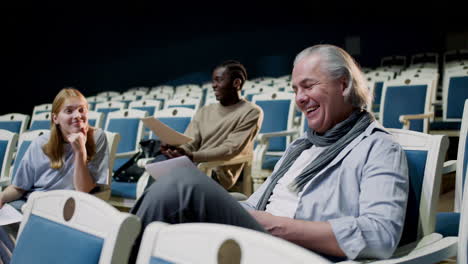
{"x":129,"y":171}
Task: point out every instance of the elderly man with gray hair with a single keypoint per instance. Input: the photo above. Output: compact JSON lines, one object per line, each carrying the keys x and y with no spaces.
{"x":340,"y":190}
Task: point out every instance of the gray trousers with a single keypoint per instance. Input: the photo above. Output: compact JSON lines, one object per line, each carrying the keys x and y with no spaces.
{"x":186,"y":196}
{"x":7,"y":245}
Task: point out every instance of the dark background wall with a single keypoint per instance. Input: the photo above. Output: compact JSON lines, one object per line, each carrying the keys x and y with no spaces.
{"x":118,"y":46}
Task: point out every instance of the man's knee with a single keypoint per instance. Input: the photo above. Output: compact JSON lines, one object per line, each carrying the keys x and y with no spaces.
{"x":176,"y":181}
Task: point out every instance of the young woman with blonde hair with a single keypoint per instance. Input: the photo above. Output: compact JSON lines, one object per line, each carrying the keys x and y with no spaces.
{"x":72,"y":155}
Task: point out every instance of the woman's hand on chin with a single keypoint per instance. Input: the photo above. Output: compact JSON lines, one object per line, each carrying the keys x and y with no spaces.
{"x":78,"y":143}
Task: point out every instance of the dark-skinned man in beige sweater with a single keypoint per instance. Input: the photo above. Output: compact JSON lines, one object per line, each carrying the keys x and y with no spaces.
{"x":223,"y":130}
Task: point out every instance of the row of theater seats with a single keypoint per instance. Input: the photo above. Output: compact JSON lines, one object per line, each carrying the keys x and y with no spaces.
{"x":142,"y":98}
{"x":273,"y":139}
{"x":279,"y":118}
{"x":84,"y":229}
{"x":282,"y":122}
{"x":430,"y":149}
{"x":419,"y":97}
{"x":402,"y":61}
{"x":78,"y":228}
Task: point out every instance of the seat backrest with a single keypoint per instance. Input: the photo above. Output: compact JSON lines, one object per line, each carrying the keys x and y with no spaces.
{"x":375,"y":83}
{"x":41,"y":109}
{"x":454,"y":56}
{"x":278,"y":115}
{"x":127,"y":123}
{"x":380,"y":74}
{"x":428,"y":57}
{"x":65,"y":226}
{"x":161,"y":97}
{"x":177,"y":118}
{"x":183,"y":88}
{"x":286,"y":77}
{"x":14,"y":122}
{"x":8,"y":142}
{"x":400,"y":97}
{"x":259,"y":89}
{"x":396,"y":60}
{"x":282,"y":86}
{"x":40,"y":121}
{"x":262,"y":79}
{"x":107,"y":107}
{"x":124,"y":99}
{"x":138,"y":93}
{"x":216,"y":243}
{"x":453,"y":70}
{"x":188,"y":88}
{"x":418,"y":75}
{"x":192,"y":103}
{"x":463,"y":228}
{"x":108,"y":94}
{"x":454,"y":92}
{"x":95,"y":119}
{"x":150,"y":106}
{"x":462,"y":159}
{"x":24,"y":142}
{"x":425,"y":154}
{"x":113,"y":140}
{"x":93,"y":100}
{"x":194,"y":95}
{"x":162,"y":89}
{"x":138,"y":89}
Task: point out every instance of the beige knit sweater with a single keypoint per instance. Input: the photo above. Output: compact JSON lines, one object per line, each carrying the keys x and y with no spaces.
{"x":223,"y":132}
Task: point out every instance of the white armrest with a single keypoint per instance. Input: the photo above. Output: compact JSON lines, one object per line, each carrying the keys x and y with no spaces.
{"x":142,"y":162}
{"x":128,"y":154}
{"x":427,"y":240}
{"x":432,"y":253}
{"x":265,"y":136}
{"x":449,"y":166}
{"x":406,"y":119}
{"x":430,"y":249}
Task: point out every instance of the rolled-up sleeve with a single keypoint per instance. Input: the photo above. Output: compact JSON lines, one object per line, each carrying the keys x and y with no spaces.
{"x":376,"y":232}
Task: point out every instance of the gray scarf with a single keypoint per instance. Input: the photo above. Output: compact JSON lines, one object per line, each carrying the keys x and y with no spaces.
{"x":337,"y":138}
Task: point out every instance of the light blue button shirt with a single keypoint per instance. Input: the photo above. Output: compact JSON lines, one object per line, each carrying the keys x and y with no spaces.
{"x":362,"y":193}
{"x":35,"y":174}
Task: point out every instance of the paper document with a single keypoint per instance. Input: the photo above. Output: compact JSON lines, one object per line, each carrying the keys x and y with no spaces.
{"x":165,"y":133}
{"x":160,"y":168}
{"x":9,"y":215}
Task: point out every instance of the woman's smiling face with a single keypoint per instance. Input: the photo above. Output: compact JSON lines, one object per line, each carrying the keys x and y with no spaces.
{"x":72,"y":117}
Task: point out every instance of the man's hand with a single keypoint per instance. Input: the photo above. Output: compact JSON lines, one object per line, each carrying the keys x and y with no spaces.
{"x":78,"y":143}
{"x":174,"y":152}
